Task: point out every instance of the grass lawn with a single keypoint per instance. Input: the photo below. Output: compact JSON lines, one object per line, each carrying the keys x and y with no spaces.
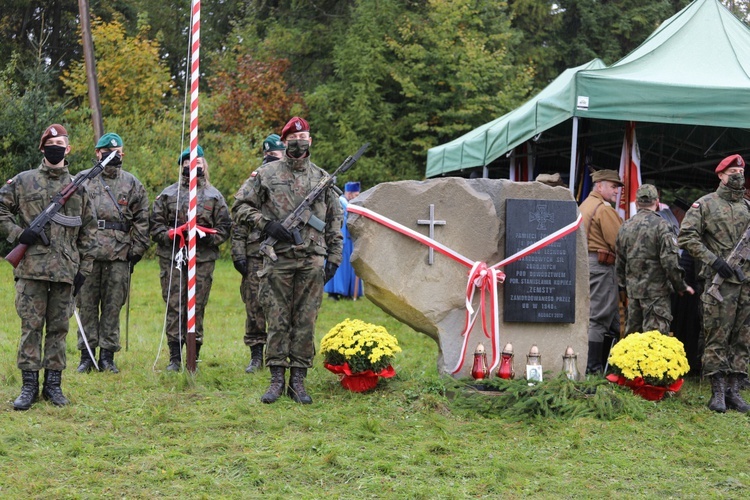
{"x":145,"y":433}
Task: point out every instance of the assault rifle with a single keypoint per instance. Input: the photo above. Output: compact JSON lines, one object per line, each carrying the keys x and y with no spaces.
{"x":51,"y":213}
{"x":740,"y":252}
{"x":303,"y":213}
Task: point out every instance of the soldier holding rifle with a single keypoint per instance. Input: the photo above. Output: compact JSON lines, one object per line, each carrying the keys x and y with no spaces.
{"x":58,"y":256}
{"x":293,"y":273}
{"x":712,"y":231}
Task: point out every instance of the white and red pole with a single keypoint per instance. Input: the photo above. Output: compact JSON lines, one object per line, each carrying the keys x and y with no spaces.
{"x":192,"y":199}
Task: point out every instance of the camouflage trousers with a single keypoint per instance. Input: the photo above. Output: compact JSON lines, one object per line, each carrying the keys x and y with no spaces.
{"x":604,"y":314}
{"x":727,"y":329}
{"x":291,"y":291}
{"x":100,"y":300}
{"x":652,"y":313}
{"x":43,"y":304}
{"x":177,"y":306}
{"x":255,"y":323}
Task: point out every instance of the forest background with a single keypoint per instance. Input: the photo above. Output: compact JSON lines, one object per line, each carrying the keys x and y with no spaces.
{"x":405,"y":75}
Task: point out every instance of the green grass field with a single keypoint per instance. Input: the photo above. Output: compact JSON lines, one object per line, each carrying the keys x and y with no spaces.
{"x":145,"y":433}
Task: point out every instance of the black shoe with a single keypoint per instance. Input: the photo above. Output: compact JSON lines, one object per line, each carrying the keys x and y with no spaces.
{"x":733,"y":398}
{"x":718,"y":393}
{"x":296,"y":389}
{"x":86,"y":364}
{"x":174,"y":357}
{"x":594,"y":364}
{"x":52,"y":390}
{"x":276,"y":388}
{"x":29,"y":390}
{"x":256,"y":359}
{"x":107,"y":361}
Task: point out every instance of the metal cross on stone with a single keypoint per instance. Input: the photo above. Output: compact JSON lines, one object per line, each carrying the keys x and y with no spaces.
{"x":432,"y":223}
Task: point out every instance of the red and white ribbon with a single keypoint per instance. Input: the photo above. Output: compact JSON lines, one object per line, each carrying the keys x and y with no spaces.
{"x":482,"y":277}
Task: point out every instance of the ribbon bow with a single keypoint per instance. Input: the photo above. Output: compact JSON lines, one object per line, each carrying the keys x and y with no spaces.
{"x":179,"y":232}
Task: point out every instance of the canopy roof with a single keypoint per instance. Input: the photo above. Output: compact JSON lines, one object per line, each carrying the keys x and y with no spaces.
{"x":693,"y":70}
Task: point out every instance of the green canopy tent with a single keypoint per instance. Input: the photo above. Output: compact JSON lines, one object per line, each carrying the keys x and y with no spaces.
{"x":687,"y":87}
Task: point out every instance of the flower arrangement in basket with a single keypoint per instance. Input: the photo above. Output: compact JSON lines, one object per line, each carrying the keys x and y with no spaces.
{"x":650,"y":363}
{"x":360,"y":352}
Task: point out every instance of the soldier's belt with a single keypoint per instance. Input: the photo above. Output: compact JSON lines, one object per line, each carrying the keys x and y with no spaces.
{"x":605,"y":257}
{"x":117,"y":226}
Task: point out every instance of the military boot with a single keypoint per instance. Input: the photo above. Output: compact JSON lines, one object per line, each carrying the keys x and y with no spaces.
{"x":733,"y":398}
{"x":718,"y":390}
{"x":52,"y":390}
{"x":86,"y":364}
{"x":107,"y":361}
{"x":594,"y":360}
{"x":296,"y":389}
{"x":276,"y":389}
{"x":29,"y":390}
{"x":256,"y":358}
{"x":198,"y":351}
{"x":174,"y":357}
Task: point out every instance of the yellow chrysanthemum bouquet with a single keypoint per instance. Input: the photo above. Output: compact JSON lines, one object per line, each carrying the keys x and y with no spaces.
{"x":354,"y":347}
{"x":649,"y":360}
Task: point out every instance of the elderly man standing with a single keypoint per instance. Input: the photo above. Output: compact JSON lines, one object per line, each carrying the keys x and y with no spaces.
{"x":602,"y":224}
{"x":712,"y":227}
{"x":648,"y":265}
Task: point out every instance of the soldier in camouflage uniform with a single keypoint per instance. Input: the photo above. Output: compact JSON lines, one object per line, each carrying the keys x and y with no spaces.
{"x":169,"y":231}
{"x":712,"y":227}
{"x":121,"y":205}
{"x":291,"y":288}
{"x":47,"y":277}
{"x":647,"y":265}
{"x":248,"y":262}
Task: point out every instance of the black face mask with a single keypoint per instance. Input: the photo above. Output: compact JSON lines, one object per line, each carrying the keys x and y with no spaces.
{"x":297,"y":148}
{"x":114,"y":162}
{"x":54,"y":154}
{"x":186,"y":172}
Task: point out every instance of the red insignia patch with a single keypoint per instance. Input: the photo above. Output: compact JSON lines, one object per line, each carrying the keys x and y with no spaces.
{"x":695,"y":205}
{"x":255,"y":172}
{"x":10,"y":181}
{"x":123,"y":202}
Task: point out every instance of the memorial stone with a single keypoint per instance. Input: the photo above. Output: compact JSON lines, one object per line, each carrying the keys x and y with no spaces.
{"x":431,"y":298}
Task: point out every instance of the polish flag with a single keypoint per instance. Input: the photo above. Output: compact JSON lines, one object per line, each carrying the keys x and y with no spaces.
{"x":630,"y":173}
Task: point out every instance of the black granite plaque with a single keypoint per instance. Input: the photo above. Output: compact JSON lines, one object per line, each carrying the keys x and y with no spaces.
{"x":541,"y":287}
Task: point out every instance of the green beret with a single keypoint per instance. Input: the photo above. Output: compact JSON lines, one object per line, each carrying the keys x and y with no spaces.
{"x":273,"y":143}
{"x":110,"y":140}
{"x":186,"y":155}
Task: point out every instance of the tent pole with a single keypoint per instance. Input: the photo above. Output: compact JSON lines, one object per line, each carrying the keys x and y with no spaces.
{"x":485,"y":172}
{"x":573,"y":156}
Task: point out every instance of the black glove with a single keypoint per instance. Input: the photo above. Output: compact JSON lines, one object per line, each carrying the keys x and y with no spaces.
{"x":330,"y":270}
{"x":241,"y":266}
{"x":721,"y":267}
{"x":133,"y":259}
{"x":78,"y":283}
{"x":28,"y":237}
{"x":275,"y":229}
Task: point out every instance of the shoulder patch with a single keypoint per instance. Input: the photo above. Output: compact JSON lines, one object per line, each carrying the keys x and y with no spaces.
{"x":695,"y":204}
{"x":254,"y":173}
{"x":10,"y":181}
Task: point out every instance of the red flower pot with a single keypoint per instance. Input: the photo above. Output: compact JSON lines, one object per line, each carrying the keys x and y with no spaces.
{"x":644,"y":390}
{"x":362,"y":381}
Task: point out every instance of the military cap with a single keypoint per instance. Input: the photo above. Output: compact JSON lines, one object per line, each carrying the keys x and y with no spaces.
{"x":53,"y":130}
{"x":352,"y":187}
{"x":110,"y":140}
{"x":186,"y":154}
{"x":730,"y":161}
{"x":550,"y":179}
{"x":273,"y":143}
{"x":606,"y":175}
{"x":294,"y":125}
{"x":646,"y":194}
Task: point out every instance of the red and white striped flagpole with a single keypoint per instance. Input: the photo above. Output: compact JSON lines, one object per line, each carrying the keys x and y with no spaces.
{"x":193,"y":195}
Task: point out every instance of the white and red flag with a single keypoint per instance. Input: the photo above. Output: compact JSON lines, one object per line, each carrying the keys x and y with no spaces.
{"x":630,"y":173}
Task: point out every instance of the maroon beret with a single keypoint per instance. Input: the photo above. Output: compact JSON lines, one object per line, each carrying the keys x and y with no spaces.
{"x":730,"y":161}
{"x":53,"y":130}
{"x":294,"y":125}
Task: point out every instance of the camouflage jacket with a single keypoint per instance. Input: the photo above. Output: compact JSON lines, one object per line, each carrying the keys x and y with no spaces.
{"x":70,"y":250}
{"x":712,"y":227}
{"x":246,"y":243}
{"x":275,"y":191}
{"x":118,"y":197}
{"x":211,"y":212}
{"x":647,"y":257}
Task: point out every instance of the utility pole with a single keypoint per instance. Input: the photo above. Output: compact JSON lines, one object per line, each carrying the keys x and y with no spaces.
{"x":90,"y":65}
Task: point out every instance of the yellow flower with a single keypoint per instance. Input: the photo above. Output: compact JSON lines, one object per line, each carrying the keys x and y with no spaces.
{"x":363,"y":346}
{"x":657,"y":358}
